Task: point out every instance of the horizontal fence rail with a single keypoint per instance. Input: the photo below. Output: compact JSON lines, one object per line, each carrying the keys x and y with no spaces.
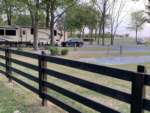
{"x":3,"y":72}
{"x":28,"y":86}
{"x":61,"y":104}
{"x":2,"y":49}
{"x":26,"y":54}
{"x":88,"y":102}
{"x":146,"y":104}
{"x":108,"y":71}
{"x":3,"y":65}
{"x":120,"y":95}
{"x":30,"y":66}
{"x":138,"y":79}
{"x":2,"y":57}
{"x":35,"y":79}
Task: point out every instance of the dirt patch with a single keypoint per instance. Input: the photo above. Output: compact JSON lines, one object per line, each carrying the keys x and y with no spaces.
{"x":9,"y":85}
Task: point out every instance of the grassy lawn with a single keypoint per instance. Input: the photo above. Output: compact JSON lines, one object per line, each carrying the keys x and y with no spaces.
{"x":70,"y":49}
{"x":87,"y":49}
{"x":26,"y":101}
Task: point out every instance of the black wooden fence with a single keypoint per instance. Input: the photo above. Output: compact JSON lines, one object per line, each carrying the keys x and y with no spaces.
{"x":139,"y":81}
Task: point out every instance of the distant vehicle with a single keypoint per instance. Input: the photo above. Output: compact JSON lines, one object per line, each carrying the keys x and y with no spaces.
{"x":142,"y":41}
{"x":79,"y":42}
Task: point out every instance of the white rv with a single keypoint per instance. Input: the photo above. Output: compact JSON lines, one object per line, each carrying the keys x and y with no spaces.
{"x":24,"y":35}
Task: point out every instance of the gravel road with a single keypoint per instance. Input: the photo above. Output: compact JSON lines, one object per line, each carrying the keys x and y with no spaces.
{"x":117,"y":60}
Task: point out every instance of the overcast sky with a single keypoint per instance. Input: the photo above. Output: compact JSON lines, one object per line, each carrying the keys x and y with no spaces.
{"x":135,"y":7}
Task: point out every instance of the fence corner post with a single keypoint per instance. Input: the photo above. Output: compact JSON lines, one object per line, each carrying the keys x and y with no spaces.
{"x":42,"y":64}
{"x":8,"y":63}
{"x":138,"y":90}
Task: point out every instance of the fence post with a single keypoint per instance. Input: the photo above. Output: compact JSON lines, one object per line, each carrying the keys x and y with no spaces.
{"x":138,"y":90}
{"x":108,"y":49}
{"x":42,"y":76}
{"x":120,"y":50}
{"x":8,"y":63}
{"x":75,"y":46}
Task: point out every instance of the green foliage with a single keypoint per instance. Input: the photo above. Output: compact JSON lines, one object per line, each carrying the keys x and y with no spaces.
{"x":46,"y":47}
{"x":54,"y":50}
{"x":23,"y":20}
{"x":64,"y":51}
{"x":127,"y":35}
{"x":136,"y":19}
{"x":20,"y":49}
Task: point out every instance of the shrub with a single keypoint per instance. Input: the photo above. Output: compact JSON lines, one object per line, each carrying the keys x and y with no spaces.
{"x":46,"y":47}
{"x":54,"y":50}
{"x":19,"y":49}
{"x":64,"y":51}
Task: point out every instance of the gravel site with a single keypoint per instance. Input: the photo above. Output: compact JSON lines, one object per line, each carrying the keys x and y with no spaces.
{"x":117,"y":60}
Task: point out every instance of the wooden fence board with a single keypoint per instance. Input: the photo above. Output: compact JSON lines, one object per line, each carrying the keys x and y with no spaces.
{"x":2,"y":57}
{"x":61,"y":104}
{"x":3,"y":72}
{"x":30,"y":66}
{"x":88,"y":102}
{"x":147,"y":80}
{"x":2,"y":49}
{"x":146,"y":104}
{"x":3,"y":65}
{"x":104,"y":70}
{"x":28,"y":86}
{"x":35,"y":79}
{"x":120,"y":95}
{"x":30,"y":55}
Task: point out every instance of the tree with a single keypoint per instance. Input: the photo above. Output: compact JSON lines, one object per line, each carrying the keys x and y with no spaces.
{"x":136,"y":19}
{"x":104,"y":9}
{"x":62,"y":22}
{"x":35,"y":8}
{"x":9,"y":7}
{"x":23,"y":20}
{"x":127,"y":35}
{"x":118,"y":12}
{"x":56,"y":5}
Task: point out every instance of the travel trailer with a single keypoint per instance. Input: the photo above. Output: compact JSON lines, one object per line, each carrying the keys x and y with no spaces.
{"x":24,"y":35}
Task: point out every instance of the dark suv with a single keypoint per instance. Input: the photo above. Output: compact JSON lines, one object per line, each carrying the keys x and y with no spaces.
{"x":72,"y":41}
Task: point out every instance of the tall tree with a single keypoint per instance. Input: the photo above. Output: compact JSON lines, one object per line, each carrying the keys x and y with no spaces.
{"x":135,"y":22}
{"x":117,"y":15}
{"x":9,"y":7}
{"x":35,"y":7}
{"x":104,"y":9}
{"x":56,"y":5}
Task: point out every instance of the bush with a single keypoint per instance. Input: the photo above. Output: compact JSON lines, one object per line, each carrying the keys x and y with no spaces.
{"x":46,"y":47}
{"x":64,"y":51}
{"x":19,"y":49}
{"x":54,"y":50}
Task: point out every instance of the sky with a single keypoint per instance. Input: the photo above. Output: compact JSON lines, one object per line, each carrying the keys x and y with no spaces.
{"x":138,"y":6}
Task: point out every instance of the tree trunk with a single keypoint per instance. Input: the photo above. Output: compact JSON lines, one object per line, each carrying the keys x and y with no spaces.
{"x":47,"y":15}
{"x":100,"y":26}
{"x":36,"y":27}
{"x":92,"y":31}
{"x":103,"y":43}
{"x":136,"y":34}
{"x":95,"y":34}
{"x":112,"y":36}
{"x":83,"y":33}
{"x":71,"y":33}
{"x":52,"y":26}
{"x":36,"y":35}
{"x":80,"y":34}
{"x":64,"y":33}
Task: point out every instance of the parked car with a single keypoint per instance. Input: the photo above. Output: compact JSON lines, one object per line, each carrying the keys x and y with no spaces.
{"x":142,"y":41}
{"x":72,"y":41}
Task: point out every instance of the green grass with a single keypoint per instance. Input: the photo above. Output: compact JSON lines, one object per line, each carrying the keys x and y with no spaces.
{"x":15,"y":97}
{"x":97,"y":78}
